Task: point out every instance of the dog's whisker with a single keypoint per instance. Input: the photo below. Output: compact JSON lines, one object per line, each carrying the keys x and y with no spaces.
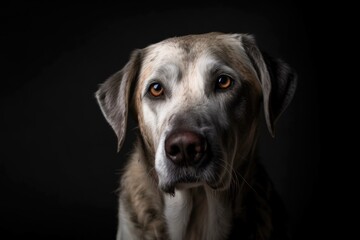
{"x":135,"y":128}
{"x":234,"y":175}
{"x":149,"y":172}
{"x":246,"y":182}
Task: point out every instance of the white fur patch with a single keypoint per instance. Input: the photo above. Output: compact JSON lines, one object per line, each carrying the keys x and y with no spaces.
{"x":160,"y":159}
{"x":177,"y":213}
{"x":216,"y":221}
{"x":124,"y":230}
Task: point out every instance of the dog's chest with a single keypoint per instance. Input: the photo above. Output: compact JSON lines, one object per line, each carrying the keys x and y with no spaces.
{"x":191,"y":215}
{"x":177,"y":212}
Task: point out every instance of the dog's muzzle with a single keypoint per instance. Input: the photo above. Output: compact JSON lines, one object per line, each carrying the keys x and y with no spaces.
{"x":186,"y":148}
{"x":190,"y":159}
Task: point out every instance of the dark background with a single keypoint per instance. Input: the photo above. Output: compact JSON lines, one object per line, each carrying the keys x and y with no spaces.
{"x":59,"y":168}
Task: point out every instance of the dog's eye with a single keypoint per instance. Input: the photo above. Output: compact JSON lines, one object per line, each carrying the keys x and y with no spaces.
{"x":156,"y":90}
{"x":224,"y":82}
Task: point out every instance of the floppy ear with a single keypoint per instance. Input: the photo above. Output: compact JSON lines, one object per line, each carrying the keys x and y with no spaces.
{"x":278,"y":81}
{"x":113,"y":96}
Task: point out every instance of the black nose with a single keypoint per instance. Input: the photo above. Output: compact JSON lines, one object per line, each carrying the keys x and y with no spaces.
{"x":185,"y":148}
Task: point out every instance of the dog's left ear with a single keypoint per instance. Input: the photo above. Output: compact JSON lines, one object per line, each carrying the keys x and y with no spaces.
{"x":278,"y":81}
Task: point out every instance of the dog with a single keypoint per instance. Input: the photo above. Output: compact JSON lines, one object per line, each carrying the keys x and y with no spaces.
{"x":194,"y":173}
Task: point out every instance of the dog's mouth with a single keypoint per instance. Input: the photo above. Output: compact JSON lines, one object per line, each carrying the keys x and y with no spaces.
{"x":180,"y":184}
{"x":189,"y":177}
{"x":170,"y":187}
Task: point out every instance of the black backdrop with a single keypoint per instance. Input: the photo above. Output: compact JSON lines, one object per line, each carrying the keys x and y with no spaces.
{"x":59,"y":168}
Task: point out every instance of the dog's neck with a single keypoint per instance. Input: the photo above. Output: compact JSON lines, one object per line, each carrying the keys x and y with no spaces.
{"x":198,"y":213}
{"x":203,"y":213}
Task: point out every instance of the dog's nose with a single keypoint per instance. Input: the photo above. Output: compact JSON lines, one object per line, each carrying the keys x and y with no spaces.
{"x":185,"y":148}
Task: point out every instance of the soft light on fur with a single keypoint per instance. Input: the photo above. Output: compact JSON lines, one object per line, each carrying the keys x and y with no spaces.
{"x":226,"y":194}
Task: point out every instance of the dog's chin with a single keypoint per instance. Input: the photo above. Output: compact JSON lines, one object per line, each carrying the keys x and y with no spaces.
{"x":170,"y":187}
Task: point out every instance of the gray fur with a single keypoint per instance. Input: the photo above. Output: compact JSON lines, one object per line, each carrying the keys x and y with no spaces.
{"x":113,"y":96}
{"x":227,"y":196}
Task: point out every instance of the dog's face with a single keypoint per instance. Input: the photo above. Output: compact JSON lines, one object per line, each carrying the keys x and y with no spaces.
{"x":197,"y":100}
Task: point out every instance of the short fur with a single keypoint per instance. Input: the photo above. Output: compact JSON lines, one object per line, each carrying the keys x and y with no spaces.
{"x":229,"y":196}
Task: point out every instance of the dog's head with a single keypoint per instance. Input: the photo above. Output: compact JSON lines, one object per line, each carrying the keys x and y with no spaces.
{"x":197,"y":99}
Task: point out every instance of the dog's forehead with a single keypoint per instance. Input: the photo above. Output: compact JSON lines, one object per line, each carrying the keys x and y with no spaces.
{"x":186,"y":52}
{"x":182,"y":54}
{"x":188,"y":48}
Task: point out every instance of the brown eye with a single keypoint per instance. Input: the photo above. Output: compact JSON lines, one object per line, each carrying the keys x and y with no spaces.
{"x":156,"y":89}
{"x":223,"y":82}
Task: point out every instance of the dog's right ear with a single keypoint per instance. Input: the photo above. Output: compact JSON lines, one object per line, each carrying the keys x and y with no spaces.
{"x":114,"y":95}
